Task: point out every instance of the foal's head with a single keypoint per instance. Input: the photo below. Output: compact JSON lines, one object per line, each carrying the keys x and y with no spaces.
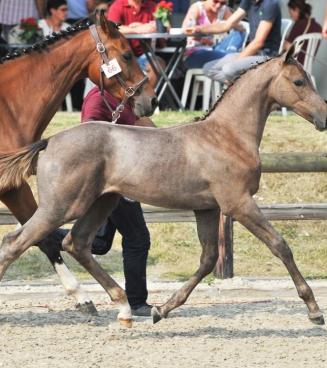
{"x":131,"y":75}
{"x":292,"y":87}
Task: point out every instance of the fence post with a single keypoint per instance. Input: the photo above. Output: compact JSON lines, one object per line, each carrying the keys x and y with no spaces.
{"x":224,"y":266}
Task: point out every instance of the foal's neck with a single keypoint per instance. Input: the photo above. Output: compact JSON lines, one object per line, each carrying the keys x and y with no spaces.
{"x":246,"y":104}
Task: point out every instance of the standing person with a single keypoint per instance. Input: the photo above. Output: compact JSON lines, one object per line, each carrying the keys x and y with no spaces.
{"x":300,"y":13}
{"x":324,"y":28}
{"x":127,"y":217}
{"x":201,"y":50}
{"x":265,"y":36}
{"x":136,"y":16}
{"x":55,"y":19}
{"x":12,"y":11}
{"x":79,"y":9}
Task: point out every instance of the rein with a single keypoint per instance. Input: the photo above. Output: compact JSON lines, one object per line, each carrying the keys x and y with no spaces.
{"x":128,"y":90}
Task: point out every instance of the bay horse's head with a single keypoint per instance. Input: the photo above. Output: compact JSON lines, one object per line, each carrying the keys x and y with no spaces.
{"x":130,"y":82}
{"x":292,"y":87}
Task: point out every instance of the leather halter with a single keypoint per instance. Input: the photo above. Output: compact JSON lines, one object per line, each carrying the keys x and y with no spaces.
{"x":128,"y":90}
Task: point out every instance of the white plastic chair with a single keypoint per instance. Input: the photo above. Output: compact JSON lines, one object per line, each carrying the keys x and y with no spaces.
{"x":210,"y":89}
{"x":285,"y":28}
{"x":312,"y":40}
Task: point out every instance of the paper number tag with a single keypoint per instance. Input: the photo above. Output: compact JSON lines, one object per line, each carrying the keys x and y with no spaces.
{"x":111,"y":69}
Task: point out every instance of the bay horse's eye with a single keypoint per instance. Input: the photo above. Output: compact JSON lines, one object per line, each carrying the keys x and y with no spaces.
{"x":127,"y":56}
{"x":299,"y":82}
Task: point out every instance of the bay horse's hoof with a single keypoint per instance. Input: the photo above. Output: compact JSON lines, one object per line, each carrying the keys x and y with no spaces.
{"x":317,"y":318}
{"x":128,"y":322}
{"x":156,"y":316}
{"x":87,"y":308}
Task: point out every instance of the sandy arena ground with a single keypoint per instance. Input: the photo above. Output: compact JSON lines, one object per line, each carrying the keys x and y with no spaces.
{"x":235,"y":323}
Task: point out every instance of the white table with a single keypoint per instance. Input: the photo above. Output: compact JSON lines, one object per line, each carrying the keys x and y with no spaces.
{"x":164,"y":74}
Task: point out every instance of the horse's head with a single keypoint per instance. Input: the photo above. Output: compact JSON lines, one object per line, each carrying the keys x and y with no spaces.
{"x":110,"y":45}
{"x":292,"y":87}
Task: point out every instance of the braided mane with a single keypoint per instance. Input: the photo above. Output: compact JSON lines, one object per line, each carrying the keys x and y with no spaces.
{"x":254,"y":66}
{"x":49,"y":40}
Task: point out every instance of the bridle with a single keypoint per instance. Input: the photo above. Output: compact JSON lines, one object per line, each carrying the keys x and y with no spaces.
{"x":128,"y":90}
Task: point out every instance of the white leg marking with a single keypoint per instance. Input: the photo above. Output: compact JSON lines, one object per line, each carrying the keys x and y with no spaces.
{"x":70,"y":283}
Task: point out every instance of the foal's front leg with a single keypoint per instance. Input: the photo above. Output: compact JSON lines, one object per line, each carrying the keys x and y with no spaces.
{"x":207,"y":226}
{"x":78,"y":243}
{"x":250,"y":216}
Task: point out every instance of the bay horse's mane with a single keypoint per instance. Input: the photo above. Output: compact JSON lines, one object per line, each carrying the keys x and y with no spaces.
{"x":220,"y":98}
{"x":53,"y":38}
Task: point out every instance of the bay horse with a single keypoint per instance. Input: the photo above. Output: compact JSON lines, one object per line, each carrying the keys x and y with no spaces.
{"x":34,"y":83}
{"x":209,"y":166}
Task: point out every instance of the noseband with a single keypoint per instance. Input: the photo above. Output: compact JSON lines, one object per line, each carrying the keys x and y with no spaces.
{"x":128,"y":91}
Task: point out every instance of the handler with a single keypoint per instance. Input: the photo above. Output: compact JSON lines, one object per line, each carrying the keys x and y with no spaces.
{"x":127,"y":218}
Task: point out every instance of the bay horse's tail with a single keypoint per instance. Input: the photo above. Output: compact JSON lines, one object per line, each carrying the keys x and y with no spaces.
{"x":17,"y":166}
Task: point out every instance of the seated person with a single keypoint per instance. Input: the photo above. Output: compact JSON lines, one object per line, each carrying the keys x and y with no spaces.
{"x":200,"y":50}
{"x":265,"y":36}
{"x":136,"y":16}
{"x":300,"y":13}
{"x":55,"y":19}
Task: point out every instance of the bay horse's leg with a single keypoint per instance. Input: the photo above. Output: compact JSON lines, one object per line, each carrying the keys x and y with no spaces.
{"x":207,"y":226}
{"x":78,"y":244}
{"x":22,"y":204}
{"x":250,"y":216}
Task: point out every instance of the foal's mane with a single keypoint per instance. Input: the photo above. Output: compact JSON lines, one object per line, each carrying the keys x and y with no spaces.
{"x":220,"y":98}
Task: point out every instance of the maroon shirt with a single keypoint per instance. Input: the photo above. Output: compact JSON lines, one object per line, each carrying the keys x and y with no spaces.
{"x":121,"y":12}
{"x":298,"y":29}
{"x":94,"y":108}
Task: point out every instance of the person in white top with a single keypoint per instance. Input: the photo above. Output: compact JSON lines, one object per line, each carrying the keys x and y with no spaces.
{"x":202,"y":49}
{"x":55,"y":19}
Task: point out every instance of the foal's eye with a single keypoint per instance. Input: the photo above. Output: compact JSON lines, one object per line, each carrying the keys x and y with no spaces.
{"x":127,"y":56}
{"x":299,"y":82}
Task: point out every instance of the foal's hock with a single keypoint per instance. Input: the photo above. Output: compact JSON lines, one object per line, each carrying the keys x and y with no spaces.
{"x":209,"y":166}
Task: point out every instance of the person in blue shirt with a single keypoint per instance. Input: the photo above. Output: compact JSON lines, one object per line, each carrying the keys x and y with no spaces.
{"x":264,"y":17}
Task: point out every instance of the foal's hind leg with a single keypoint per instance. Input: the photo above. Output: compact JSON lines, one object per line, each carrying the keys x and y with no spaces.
{"x":207,"y":226}
{"x":78,"y":244}
{"x":251,"y":217}
{"x":21,"y":203}
{"x":17,"y":242}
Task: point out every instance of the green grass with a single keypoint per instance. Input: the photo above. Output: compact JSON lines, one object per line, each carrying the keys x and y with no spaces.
{"x":175,"y":250}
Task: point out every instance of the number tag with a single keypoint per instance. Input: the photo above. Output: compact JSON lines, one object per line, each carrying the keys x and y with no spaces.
{"x":111,"y":69}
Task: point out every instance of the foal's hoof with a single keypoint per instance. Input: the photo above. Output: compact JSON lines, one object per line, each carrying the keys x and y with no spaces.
{"x":87,"y":308}
{"x":156,"y":317}
{"x":317,"y":318}
{"x":128,"y":322}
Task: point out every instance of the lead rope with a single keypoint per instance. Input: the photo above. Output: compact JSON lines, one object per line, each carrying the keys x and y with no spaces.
{"x":129,"y":91}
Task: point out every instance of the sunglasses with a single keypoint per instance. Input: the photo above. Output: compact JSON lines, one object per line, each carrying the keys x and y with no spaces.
{"x":222,"y":2}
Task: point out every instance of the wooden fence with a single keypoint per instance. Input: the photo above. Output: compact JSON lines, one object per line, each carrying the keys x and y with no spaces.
{"x":272,"y":163}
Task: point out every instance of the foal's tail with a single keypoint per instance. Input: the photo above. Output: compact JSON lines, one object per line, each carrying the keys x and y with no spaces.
{"x":17,"y":166}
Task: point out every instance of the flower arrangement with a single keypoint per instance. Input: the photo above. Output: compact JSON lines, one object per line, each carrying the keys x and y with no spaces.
{"x":30,"y":30}
{"x":26,"y":32}
{"x":163,"y":12}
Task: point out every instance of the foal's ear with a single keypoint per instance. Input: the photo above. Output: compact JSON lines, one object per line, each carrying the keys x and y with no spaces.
{"x":288,"y":55}
{"x":110,"y":28}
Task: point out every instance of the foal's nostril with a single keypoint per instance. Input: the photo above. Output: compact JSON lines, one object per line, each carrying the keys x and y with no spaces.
{"x":154,"y":102}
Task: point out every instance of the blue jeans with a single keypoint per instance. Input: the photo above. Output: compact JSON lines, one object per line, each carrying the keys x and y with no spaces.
{"x":232,"y":43}
{"x":143,"y":61}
